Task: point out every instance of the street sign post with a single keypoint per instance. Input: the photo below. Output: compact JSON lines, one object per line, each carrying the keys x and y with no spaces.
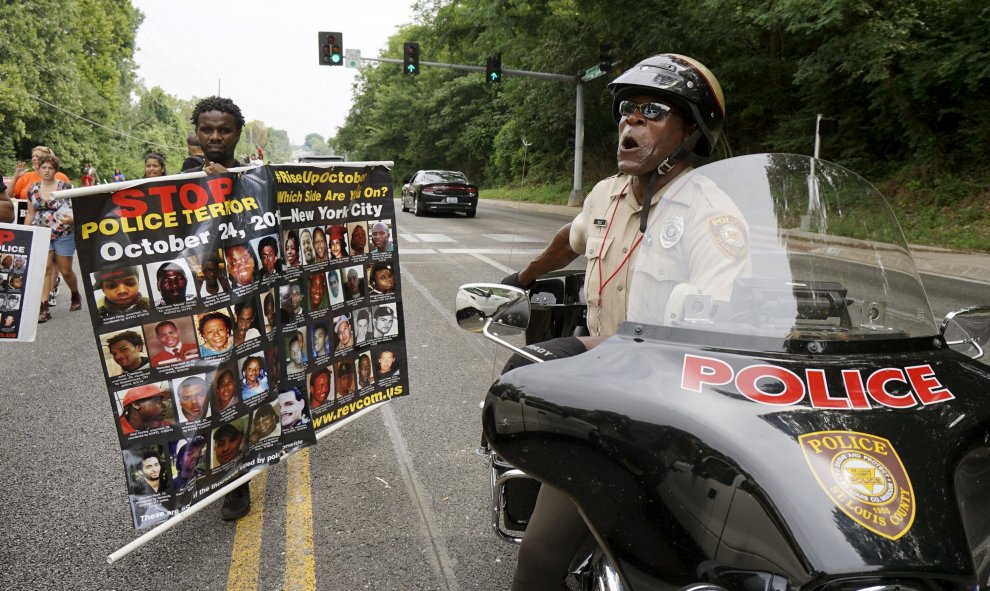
{"x":592,"y":73}
{"x":352,"y":58}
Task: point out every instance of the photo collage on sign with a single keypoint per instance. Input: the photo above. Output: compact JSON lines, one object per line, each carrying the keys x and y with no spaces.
{"x":339,"y":307}
{"x":13,"y":279}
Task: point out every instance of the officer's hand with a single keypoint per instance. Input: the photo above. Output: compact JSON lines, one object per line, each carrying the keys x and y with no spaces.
{"x":513,"y":280}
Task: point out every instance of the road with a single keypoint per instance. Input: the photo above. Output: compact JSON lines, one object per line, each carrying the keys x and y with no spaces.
{"x":395,"y":500}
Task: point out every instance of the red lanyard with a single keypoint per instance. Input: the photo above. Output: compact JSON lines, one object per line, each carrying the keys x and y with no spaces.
{"x":601,"y":249}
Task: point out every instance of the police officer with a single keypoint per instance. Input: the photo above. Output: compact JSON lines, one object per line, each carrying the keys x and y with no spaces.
{"x":669,"y":108}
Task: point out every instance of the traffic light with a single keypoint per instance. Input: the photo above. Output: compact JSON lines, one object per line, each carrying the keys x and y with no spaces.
{"x":410,"y":59}
{"x":331,"y":49}
{"x":605,"y":57}
{"x":493,"y":73}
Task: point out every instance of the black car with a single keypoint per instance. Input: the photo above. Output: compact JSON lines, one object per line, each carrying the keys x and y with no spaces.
{"x":439,"y":190}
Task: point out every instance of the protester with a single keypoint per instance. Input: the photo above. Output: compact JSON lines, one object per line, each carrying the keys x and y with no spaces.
{"x":23,"y":178}
{"x":7,"y":210}
{"x":118,"y":176}
{"x":154,"y":165}
{"x":195,"y":158}
{"x":55,"y":214}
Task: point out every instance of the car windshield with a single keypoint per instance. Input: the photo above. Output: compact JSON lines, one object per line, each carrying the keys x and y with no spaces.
{"x":818,"y":254}
{"x":443,"y":176}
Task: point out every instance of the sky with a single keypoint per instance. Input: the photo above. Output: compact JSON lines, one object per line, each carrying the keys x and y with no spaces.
{"x":264,"y":54}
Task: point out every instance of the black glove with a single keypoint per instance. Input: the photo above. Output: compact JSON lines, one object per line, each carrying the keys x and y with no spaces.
{"x":513,"y":280}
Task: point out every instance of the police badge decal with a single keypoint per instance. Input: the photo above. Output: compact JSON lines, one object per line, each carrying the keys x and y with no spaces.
{"x":729,"y":235}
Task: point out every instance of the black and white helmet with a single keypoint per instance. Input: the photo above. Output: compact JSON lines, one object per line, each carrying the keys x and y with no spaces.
{"x":683,"y":81}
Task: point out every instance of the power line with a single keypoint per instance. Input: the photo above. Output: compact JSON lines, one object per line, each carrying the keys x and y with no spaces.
{"x":111,"y":130}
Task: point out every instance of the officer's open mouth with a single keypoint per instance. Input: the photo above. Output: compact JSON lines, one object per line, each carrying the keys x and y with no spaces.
{"x":629,"y":143}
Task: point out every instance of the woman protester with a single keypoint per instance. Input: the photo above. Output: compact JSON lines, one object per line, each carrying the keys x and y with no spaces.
{"x":56,"y":214}
{"x":154,"y":165}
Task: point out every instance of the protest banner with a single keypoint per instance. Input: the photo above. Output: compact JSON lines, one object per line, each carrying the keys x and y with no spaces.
{"x":214,"y":299}
{"x":23,"y":259}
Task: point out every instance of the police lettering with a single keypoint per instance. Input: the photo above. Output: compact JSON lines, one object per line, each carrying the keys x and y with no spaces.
{"x":890,"y":387}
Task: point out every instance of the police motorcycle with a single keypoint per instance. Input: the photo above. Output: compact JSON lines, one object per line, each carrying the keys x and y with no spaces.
{"x":814,"y":429}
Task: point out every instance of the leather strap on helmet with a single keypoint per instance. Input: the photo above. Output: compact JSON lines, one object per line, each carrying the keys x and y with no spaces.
{"x":662,"y":169}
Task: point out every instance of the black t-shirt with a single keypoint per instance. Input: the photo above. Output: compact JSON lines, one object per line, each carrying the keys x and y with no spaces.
{"x":192,"y":164}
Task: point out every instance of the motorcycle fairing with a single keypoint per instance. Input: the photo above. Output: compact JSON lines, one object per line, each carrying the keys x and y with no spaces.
{"x":826,"y":328}
{"x":714,"y":476}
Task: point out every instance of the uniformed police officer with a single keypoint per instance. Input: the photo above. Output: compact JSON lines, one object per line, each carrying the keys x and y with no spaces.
{"x":668,"y":108}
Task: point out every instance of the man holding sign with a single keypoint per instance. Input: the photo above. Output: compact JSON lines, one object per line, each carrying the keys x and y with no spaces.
{"x":218,"y":124}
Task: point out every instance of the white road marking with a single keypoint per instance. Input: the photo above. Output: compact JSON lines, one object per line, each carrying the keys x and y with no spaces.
{"x":512,"y":238}
{"x":409,"y":237}
{"x":434,"y":238}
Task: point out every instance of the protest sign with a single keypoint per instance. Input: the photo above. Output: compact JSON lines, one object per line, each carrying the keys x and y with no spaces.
{"x":23,"y":260}
{"x":226,"y":326}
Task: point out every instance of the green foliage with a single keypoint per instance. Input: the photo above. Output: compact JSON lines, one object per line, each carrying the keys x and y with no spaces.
{"x":908,"y":80}
{"x":67,"y":72}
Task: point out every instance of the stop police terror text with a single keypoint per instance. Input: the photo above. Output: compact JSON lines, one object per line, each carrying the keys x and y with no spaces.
{"x":196,"y":204}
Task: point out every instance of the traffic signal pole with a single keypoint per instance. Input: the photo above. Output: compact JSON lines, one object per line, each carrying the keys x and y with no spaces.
{"x":576,"y":198}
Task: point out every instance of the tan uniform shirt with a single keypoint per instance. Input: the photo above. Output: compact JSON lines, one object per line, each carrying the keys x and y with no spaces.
{"x":706,"y":244}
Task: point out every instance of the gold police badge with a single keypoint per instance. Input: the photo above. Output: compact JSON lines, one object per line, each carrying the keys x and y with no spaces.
{"x":864,"y":477}
{"x":729,"y":235}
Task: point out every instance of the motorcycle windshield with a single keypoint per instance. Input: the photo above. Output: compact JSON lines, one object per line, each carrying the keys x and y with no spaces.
{"x":781,"y":246}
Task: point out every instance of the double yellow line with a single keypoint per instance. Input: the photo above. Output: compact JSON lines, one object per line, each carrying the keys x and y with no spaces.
{"x":300,"y":561}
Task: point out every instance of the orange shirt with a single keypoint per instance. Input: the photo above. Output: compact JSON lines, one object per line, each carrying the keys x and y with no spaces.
{"x":29,"y":178}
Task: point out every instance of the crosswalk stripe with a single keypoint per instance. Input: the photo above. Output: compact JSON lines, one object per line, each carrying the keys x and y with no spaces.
{"x":512,"y":238}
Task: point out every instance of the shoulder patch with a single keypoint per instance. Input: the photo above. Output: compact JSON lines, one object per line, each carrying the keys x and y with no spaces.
{"x":729,"y":235}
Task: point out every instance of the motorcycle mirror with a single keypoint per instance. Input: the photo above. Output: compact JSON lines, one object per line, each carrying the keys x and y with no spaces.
{"x":494,"y":305}
{"x":968,"y":331}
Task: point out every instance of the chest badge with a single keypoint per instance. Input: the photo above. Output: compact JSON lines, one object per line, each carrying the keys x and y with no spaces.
{"x":671,"y":232}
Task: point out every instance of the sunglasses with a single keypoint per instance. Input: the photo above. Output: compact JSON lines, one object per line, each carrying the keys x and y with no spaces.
{"x":652,"y":110}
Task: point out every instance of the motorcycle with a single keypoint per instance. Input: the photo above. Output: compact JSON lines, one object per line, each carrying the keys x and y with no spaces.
{"x":813,"y":430}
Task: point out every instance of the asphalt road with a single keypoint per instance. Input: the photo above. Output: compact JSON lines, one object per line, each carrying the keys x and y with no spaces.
{"x":395,"y":500}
